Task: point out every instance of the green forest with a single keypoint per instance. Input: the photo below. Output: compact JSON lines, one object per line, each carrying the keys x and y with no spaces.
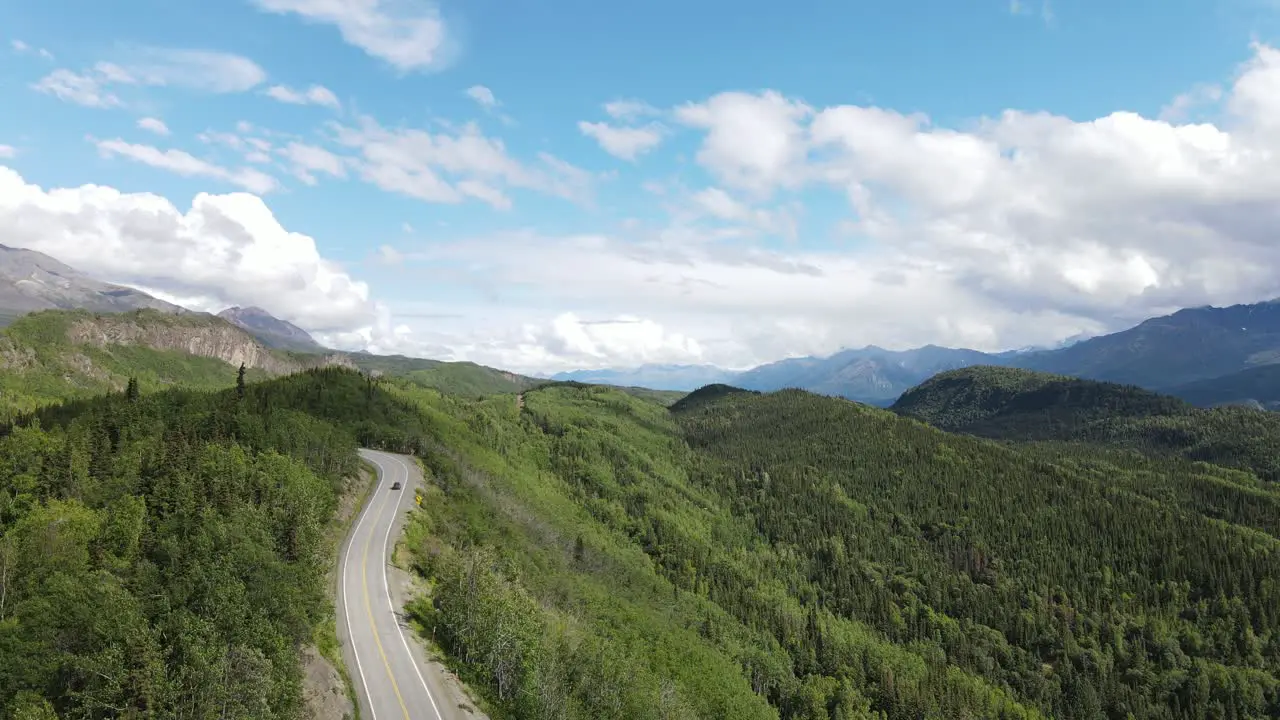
{"x":591,"y":553}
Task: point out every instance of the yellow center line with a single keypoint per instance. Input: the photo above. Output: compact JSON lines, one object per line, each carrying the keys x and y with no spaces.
{"x":368,"y":607}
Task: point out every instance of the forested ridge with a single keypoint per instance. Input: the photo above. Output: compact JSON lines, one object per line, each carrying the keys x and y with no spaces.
{"x":1021,"y":405}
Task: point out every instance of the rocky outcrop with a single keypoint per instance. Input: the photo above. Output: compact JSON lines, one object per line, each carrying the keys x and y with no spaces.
{"x":200,"y":335}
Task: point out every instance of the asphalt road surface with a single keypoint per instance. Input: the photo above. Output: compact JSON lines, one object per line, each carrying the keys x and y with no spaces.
{"x":390,"y":672}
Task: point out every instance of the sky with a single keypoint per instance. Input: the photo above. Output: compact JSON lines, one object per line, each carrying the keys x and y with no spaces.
{"x":542,"y":186}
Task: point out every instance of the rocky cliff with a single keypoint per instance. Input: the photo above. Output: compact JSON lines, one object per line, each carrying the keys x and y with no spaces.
{"x":197,"y":334}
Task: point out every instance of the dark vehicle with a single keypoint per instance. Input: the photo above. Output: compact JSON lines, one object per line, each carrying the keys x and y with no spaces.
{"x":395,"y":485}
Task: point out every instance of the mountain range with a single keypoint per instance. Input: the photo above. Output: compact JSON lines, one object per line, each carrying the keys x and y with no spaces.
{"x":1207,"y":355}
{"x":656,"y":377}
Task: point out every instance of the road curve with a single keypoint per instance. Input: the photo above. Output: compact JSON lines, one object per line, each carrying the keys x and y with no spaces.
{"x":385,"y":661}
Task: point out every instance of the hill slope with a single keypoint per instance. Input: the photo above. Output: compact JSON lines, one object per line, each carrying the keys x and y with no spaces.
{"x":50,"y":356}
{"x":1256,"y":387}
{"x":849,"y":561}
{"x":165,"y":555}
{"x":1013,"y":404}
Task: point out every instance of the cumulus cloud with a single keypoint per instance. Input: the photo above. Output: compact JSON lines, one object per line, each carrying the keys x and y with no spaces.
{"x":450,"y":167}
{"x":154,"y":125}
{"x":314,"y":95}
{"x":753,"y":142}
{"x":306,"y":160}
{"x":1025,"y":229}
{"x":186,"y":164}
{"x":482,"y":95}
{"x":224,"y":250}
{"x":409,"y":36}
{"x":629,"y":110}
{"x":626,"y":143}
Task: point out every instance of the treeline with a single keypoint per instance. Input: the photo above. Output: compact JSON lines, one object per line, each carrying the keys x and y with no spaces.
{"x":162,"y":555}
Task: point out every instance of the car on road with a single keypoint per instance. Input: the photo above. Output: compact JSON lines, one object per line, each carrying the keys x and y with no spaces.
{"x":395,"y":485}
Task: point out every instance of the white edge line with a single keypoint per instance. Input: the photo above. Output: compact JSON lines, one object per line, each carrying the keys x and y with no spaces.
{"x":386,"y":559}
{"x":346,"y":606}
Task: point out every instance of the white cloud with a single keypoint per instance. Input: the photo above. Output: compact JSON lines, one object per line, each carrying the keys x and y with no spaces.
{"x":629,"y":110}
{"x":23,"y":48}
{"x":482,"y":95}
{"x":201,"y":70}
{"x":753,"y":142}
{"x":76,"y":88}
{"x":1023,"y":230}
{"x":224,"y":250}
{"x":450,"y":167}
{"x":305,"y":160}
{"x":204,"y":70}
{"x":314,"y":95}
{"x":1186,"y":103}
{"x":188,"y":165}
{"x":409,"y":36}
{"x":154,"y":125}
{"x":389,"y":255}
{"x":626,"y":143}
{"x":7,"y":151}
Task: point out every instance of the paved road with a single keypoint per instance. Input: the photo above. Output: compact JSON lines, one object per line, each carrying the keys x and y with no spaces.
{"x":392,"y":677}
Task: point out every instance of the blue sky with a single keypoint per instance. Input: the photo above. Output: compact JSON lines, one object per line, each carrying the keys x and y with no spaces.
{"x":792,"y":178}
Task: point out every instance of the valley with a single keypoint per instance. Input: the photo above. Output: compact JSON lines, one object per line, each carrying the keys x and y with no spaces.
{"x":997,"y":542}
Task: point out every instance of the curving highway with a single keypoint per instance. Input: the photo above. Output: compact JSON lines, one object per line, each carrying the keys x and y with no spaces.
{"x":386,"y":663}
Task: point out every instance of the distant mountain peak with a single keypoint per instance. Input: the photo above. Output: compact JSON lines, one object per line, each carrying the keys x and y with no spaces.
{"x":270,"y":330}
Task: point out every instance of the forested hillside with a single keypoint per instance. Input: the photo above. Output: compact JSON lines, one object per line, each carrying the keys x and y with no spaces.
{"x":163,"y":556}
{"x":1257,"y":387}
{"x":1010,"y":404}
{"x":592,"y":554}
{"x":595,"y":556}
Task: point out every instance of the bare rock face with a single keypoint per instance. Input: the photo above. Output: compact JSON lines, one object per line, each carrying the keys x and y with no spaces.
{"x":204,"y":338}
{"x":200,"y":335}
